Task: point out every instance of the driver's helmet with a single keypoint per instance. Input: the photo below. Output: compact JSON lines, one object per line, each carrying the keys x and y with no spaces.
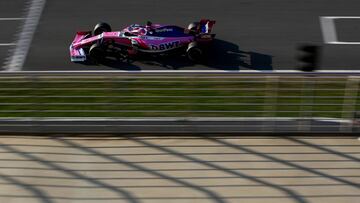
{"x":137,"y":29}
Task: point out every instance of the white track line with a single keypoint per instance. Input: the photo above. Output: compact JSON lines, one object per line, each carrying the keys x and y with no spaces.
{"x":16,"y":61}
{"x":11,"y":19}
{"x":345,"y":43}
{"x":328,"y":29}
{"x":7,"y":44}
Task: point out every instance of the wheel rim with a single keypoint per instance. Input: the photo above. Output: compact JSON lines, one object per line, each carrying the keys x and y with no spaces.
{"x":195,"y":54}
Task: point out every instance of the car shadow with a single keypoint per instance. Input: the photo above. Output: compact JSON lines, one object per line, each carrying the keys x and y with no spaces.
{"x":222,"y":55}
{"x":112,"y":62}
{"x":225,"y":55}
{"x":120,"y":64}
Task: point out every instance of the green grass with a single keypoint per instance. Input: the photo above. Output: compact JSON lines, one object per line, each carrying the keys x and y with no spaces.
{"x":151,"y":97}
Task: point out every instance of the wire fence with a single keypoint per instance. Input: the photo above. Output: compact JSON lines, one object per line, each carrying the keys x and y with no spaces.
{"x":143,"y":95}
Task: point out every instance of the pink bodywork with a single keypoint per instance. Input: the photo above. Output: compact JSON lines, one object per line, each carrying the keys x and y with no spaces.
{"x":78,"y":54}
{"x":138,"y":39}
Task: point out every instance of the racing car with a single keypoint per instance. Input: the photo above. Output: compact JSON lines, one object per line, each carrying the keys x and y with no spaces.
{"x":134,"y":40}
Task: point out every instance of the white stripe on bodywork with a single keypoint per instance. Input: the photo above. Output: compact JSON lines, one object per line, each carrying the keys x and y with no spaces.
{"x":82,"y":52}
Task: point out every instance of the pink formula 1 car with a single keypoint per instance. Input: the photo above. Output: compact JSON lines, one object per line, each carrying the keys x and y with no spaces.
{"x":136,"y":39}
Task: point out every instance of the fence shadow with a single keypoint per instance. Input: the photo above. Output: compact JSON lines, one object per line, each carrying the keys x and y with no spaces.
{"x":291,"y":193}
{"x":208,"y":193}
{"x":322,"y":148}
{"x":287,"y":163}
{"x":41,"y":195}
{"x":123,"y":194}
{"x":123,"y":155}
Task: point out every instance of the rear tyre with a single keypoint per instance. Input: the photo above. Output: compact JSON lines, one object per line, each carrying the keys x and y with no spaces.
{"x":194,"y":52}
{"x":101,"y":27}
{"x":97,"y":53}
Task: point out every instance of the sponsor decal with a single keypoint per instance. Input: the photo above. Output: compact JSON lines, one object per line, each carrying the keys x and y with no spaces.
{"x":165,"y":46}
{"x":164,"y":30}
{"x":151,"y":38}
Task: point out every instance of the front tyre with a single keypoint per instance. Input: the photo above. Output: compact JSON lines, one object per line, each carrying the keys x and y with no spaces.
{"x":101,"y":27}
{"x":97,"y":53}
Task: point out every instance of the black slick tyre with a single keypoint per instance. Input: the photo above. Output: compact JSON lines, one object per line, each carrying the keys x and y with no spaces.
{"x":97,"y":53}
{"x":194,"y":52}
{"x":101,"y":27}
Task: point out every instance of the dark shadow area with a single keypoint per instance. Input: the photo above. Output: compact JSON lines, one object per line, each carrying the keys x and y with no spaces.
{"x":77,"y":175}
{"x":113,"y":61}
{"x":221,"y":55}
{"x":322,"y":148}
{"x":120,"y":64}
{"x":171,"y":62}
{"x":292,"y":194}
{"x":184,"y":178}
{"x":224,"y":55}
{"x":210,"y":194}
{"x":171,"y":145}
{"x":175,"y":157}
{"x":41,"y":195}
{"x":287,"y":163}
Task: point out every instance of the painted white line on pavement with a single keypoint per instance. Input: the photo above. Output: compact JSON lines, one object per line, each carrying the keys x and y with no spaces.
{"x":342,"y":17}
{"x":11,"y":19}
{"x":344,"y":43}
{"x":328,"y":29}
{"x":18,"y":55}
{"x":7,"y":44}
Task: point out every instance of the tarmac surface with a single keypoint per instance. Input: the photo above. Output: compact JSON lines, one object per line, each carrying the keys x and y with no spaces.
{"x":256,"y":35}
{"x":161,"y":126}
{"x":179,"y":169}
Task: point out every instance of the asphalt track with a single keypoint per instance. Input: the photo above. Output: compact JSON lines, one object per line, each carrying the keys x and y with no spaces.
{"x":256,"y":34}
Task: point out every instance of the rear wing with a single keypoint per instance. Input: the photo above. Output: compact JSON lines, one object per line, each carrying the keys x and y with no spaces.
{"x":206,"y":26}
{"x":204,"y":31}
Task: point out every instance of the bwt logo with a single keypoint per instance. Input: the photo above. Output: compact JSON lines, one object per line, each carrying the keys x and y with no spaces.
{"x":165,"y":46}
